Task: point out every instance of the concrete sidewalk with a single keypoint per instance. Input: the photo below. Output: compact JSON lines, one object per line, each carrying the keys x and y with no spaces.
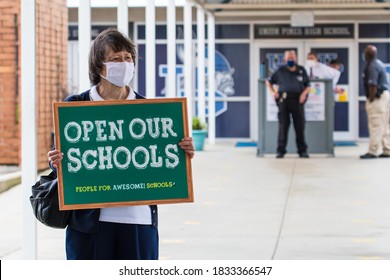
{"x":9,"y":177}
{"x":257,"y":208}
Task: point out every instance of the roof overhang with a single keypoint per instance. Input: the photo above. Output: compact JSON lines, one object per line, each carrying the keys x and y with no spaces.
{"x":260,"y":10}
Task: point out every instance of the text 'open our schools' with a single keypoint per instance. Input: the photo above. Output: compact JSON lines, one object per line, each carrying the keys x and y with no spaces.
{"x":105,"y":156}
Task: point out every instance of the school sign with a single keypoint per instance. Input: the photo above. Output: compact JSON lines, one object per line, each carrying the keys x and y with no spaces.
{"x":122,"y":153}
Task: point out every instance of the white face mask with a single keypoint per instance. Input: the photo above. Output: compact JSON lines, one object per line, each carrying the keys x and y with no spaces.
{"x":311,"y":63}
{"x":119,"y":73}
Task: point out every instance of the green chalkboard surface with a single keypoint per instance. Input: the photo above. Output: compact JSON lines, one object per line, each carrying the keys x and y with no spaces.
{"x":122,"y":153}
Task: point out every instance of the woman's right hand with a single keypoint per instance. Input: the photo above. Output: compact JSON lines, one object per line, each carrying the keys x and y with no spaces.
{"x":54,"y":157}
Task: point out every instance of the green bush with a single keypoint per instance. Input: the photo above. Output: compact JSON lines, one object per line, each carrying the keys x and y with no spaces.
{"x":197,"y":124}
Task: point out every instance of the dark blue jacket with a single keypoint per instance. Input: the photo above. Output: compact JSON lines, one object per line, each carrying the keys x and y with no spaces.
{"x":87,"y":220}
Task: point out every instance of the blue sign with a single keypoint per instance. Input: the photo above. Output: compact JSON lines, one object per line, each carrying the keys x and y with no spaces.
{"x":232,"y":79}
{"x":224,"y":81}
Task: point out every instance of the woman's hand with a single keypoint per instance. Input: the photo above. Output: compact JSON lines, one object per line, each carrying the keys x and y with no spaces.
{"x":54,"y":157}
{"x":187,"y":144}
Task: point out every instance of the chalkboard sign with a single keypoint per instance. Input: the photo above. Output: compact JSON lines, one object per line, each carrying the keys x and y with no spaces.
{"x":122,"y":153}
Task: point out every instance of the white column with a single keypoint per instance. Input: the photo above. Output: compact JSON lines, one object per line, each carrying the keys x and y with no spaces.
{"x":150,"y":67}
{"x":201,"y":65}
{"x":170,"y":87}
{"x":84,"y":43}
{"x":188,"y":65}
{"x":29,"y":131}
{"x":123,"y":17}
{"x":211,"y":77}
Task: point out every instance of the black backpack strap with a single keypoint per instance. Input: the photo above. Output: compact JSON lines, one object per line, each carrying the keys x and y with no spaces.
{"x":84,"y":96}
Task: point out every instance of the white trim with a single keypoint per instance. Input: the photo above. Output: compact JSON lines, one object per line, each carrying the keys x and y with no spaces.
{"x":188,"y":61}
{"x":28,"y":125}
{"x":374,"y":40}
{"x":279,"y":13}
{"x":354,"y":90}
{"x":123,"y":17}
{"x":150,"y":49}
{"x":114,"y":3}
{"x":134,"y":83}
{"x":181,"y":41}
{"x":84,"y":23}
{"x":170,"y":87}
{"x":277,"y":22}
{"x":259,"y":7}
{"x":253,"y":86}
{"x":201,"y":64}
{"x":211,"y":78}
{"x":108,"y":23}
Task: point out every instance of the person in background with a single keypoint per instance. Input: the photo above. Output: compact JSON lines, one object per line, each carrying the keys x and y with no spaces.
{"x":128,"y":232}
{"x":318,"y":70}
{"x":377,"y":86}
{"x":336,"y":64}
{"x":293,"y":87}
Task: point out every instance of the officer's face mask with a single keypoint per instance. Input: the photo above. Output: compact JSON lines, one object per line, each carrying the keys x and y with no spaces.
{"x":290,"y":63}
{"x":119,"y":73}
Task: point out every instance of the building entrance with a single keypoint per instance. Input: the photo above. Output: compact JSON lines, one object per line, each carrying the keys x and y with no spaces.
{"x":270,"y":57}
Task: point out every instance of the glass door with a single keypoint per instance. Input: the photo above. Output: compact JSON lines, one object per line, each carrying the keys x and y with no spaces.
{"x":345,"y":113}
{"x":269,"y":56}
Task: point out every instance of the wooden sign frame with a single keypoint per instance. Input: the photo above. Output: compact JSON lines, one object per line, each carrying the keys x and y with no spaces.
{"x":176,"y":188}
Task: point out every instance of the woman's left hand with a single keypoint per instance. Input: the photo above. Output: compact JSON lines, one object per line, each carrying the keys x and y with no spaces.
{"x":187,"y":144}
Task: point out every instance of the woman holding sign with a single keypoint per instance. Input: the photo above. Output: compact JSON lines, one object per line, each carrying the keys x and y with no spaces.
{"x":128,"y":232}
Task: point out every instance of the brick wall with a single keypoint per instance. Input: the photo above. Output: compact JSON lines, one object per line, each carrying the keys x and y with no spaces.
{"x":9,"y":126}
{"x":51,"y":59}
{"x":52,"y":53}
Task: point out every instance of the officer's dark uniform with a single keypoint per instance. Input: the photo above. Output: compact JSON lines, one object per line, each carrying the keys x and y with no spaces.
{"x":291,"y":85}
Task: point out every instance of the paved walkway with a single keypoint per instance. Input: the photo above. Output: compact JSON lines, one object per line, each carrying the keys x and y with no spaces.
{"x":257,"y":208}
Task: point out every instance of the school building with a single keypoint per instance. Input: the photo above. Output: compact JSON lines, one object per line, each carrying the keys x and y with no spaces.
{"x":250,"y":38}
{"x":245,"y":39}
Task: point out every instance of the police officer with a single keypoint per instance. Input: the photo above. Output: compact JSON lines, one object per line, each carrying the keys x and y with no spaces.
{"x":291,"y":94}
{"x":377,"y":86}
